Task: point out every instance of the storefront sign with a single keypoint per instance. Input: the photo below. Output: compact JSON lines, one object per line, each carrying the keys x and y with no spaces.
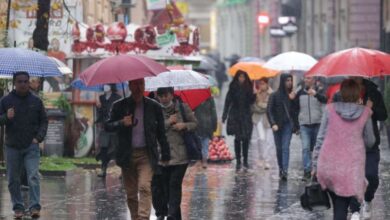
{"x":156,"y":4}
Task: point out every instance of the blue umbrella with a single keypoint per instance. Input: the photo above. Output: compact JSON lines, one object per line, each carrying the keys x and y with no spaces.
{"x":79,"y":84}
{"x":17,"y":59}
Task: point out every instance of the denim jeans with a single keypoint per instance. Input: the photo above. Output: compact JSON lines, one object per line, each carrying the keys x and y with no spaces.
{"x":15,"y":160}
{"x":282,"y":142}
{"x":308,"y":138}
{"x":205,"y":146}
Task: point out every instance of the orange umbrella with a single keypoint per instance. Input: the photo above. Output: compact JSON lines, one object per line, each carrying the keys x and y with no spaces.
{"x":255,"y":70}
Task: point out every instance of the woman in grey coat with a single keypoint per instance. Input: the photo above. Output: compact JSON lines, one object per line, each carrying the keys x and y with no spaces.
{"x":167,"y":185}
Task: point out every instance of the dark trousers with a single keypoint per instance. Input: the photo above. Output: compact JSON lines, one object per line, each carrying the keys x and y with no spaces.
{"x":340,"y":206}
{"x":241,"y":145}
{"x":282,"y":142}
{"x":372,"y":175}
{"x":104,"y":156}
{"x":167,"y":191}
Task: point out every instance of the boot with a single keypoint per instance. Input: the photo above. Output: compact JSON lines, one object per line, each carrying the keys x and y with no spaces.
{"x":104,"y":171}
{"x":245,"y":148}
{"x":237,"y":150}
{"x":204,"y":163}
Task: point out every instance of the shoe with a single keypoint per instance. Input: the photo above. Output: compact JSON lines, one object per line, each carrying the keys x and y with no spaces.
{"x":169,"y":217}
{"x":18,"y":214}
{"x":238,"y":167}
{"x":160,"y":217}
{"x":246,"y":165}
{"x":267,"y":166}
{"x":306,"y":176}
{"x":355,"y":216}
{"x":367,"y":210}
{"x":35,"y":213}
{"x":284,"y":175}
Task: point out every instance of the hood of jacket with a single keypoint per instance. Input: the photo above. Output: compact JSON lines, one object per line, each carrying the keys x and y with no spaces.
{"x":283,"y":79}
{"x":348,"y":111}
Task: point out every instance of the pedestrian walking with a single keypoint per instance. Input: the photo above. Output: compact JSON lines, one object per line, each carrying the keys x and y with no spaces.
{"x":369,"y":91}
{"x":237,"y":112}
{"x":206,"y":114}
{"x":282,"y":113}
{"x":168,"y":184}
{"x":265,"y":137}
{"x":24,"y":117}
{"x":311,"y":101}
{"x":107,"y":140}
{"x":346,"y":128}
{"x":139,"y":124}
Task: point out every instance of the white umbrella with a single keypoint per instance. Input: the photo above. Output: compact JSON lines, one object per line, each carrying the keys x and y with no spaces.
{"x":178,"y":79}
{"x":291,"y":61}
{"x":64,"y":69}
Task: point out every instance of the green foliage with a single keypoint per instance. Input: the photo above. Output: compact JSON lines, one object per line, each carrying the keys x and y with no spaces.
{"x":387,"y":100}
{"x":63,"y":104}
{"x":56,"y":164}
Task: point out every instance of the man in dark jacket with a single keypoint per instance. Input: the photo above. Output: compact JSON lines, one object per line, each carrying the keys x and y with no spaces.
{"x":370,"y":92}
{"x":206,"y":114}
{"x":24,"y":116}
{"x":107,"y":140}
{"x":311,"y":101}
{"x":282,"y":113}
{"x":139,"y":124}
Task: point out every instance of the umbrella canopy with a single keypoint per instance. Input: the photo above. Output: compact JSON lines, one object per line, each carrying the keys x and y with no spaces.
{"x":251,"y":59}
{"x":353,"y":62}
{"x":178,"y":79}
{"x":194,"y":97}
{"x":17,"y":59}
{"x":121,"y":68}
{"x":79,"y":84}
{"x":255,"y":70}
{"x":291,"y":61}
{"x":64,"y":69}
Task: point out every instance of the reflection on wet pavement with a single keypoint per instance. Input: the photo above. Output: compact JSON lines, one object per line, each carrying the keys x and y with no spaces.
{"x":216,"y":193}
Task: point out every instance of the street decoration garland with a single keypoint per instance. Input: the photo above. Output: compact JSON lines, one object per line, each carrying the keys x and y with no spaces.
{"x":144,"y":39}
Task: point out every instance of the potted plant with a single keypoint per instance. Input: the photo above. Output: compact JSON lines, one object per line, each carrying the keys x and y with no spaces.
{"x":65,"y":106}
{"x":387,"y":105}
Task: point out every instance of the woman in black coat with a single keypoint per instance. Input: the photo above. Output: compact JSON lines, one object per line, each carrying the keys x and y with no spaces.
{"x":237,"y":112}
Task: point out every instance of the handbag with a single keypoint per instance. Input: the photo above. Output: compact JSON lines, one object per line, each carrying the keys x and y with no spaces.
{"x":314,"y":198}
{"x":191,"y":140}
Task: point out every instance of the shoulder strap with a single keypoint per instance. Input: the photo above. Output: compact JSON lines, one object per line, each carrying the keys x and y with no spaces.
{"x":182,"y":112}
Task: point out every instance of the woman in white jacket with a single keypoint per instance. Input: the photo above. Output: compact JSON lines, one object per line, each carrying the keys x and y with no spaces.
{"x":264,"y":140}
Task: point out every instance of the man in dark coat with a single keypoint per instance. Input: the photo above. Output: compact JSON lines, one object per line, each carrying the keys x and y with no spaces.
{"x":107,"y":140}
{"x":206,"y":114}
{"x":139,"y":124}
{"x":24,"y":117}
{"x":370,"y":92}
{"x":282,"y":113}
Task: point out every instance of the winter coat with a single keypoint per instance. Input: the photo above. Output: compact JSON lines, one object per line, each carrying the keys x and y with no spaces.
{"x":178,"y":150}
{"x":310,"y":107}
{"x":206,"y":114}
{"x":153,"y":126}
{"x":259,"y":108}
{"x":237,"y":112}
{"x":378,"y":108}
{"x":280,"y":108}
{"x":30,"y":120}
{"x":106,"y":104}
{"x":341,"y":155}
{"x":106,"y":139}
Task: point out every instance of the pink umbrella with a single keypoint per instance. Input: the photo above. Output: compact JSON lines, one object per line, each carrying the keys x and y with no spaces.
{"x":121,"y":68}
